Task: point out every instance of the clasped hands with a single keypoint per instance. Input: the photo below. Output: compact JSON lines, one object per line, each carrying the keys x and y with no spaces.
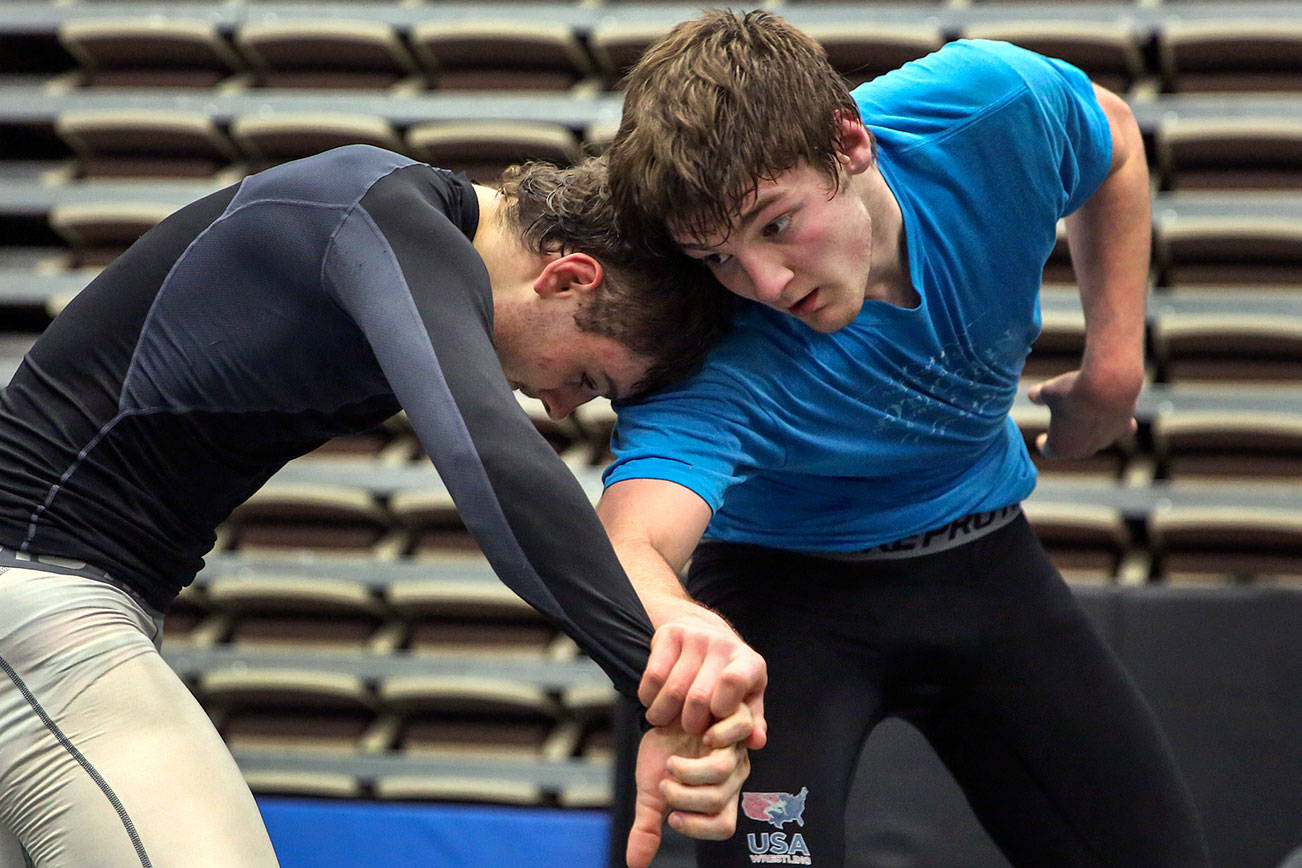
{"x":703,"y":688}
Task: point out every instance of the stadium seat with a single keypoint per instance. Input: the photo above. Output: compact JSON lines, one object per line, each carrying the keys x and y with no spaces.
{"x":1110,"y":53}
{"x":193,"y":620}
{"x":616,"y":44}
{"x":598,"y":135}
{"x":313,"y":517}
{"x":278,"y":137}
{"x":1229,"y":153}
{"x":861,"y":52}
{"x":96,"y":233}
{"x":450,"y":616}
{"x":290,"y":611}
{"x":327,"y":54}
{"x":565,"y":435}
{"x":1264,"y":445}
{"x":464,"y":716}
{"x":288,"y":709}
{"x":430,"y":519}
{"x":312,"y":783}
{"x":1234,"y":249}
{"x":482,"y":149}
{"x":1224,"y":54}
{"x":589,"y":709}
{"x":500,"y":55}
{"x":147,"y":143}
{"x":149,"y":51}
{"x":1202,"y":347}
{"x":1222,"y":544}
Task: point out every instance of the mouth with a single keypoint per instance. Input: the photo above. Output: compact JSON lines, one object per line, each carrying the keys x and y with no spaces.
{"x":805,"y":305}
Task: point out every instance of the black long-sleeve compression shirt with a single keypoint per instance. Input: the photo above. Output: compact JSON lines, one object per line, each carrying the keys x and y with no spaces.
{"x":310,"y":300}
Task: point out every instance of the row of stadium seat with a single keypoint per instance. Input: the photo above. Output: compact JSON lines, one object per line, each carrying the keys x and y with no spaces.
{"x":536,"y":51}
{"x":1187,"y":153}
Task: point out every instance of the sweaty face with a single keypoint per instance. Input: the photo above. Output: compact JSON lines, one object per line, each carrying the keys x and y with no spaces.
{"x":796,"y":247}
{"x":564,"y":367}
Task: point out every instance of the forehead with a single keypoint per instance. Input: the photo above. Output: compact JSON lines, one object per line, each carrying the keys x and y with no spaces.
{"x":702,"y":233}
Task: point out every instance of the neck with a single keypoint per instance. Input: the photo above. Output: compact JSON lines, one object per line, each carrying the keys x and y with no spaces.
{"x":889,"y":279}
{"x":511,"y":269}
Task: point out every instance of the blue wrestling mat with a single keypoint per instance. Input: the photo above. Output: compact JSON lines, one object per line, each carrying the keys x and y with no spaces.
{"x":332,"y":834}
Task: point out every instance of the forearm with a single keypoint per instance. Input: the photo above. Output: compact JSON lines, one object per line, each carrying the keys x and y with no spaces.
{"x":653,"y":552}
{"x":655,"y":580}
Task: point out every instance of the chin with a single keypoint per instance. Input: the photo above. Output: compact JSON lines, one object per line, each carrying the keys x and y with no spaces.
{"x":828,"y":321}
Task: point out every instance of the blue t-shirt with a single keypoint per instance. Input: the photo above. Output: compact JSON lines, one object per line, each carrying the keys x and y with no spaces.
{"x":897,"y":423}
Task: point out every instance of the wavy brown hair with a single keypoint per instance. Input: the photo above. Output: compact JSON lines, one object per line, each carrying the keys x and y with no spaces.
{"x":720,"y":104}
{"x":661,"y":305}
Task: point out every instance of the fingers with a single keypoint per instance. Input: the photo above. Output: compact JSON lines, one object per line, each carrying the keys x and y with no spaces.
{"x":668,"y":703}
{"x":702,"y":792}
{"x":716,"y":767}
{"x":697,"y":706}
{"x":644,"y":836}
{"x":665,"y":648}
{"x":746,"y":675}
{"x":700,"y":670}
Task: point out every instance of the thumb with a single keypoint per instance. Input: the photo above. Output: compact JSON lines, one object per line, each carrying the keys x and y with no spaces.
{"x":1034,"y":395}
{"x":644,"y":836}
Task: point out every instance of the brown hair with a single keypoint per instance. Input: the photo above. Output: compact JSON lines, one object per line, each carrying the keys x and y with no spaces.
{"x":664,"y":306}
{"x":718,"y":105}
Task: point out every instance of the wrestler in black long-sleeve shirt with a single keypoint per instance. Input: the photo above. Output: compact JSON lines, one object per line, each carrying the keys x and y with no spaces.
{"x":308,"y":301}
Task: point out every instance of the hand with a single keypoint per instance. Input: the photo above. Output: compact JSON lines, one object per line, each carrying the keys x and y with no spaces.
{"x":700,"y":670}
{"x":697,"y":778}
{"x":1082,"y":419}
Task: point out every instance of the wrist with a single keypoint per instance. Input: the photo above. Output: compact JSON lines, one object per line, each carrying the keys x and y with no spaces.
{"x":683,"y":610}
{"x":1112,"y":378}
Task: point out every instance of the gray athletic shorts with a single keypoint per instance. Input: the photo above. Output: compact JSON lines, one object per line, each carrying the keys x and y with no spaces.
{"x":106,"y":759}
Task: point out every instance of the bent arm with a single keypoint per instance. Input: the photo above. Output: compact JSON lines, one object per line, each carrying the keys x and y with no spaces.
{"x":414,"y":285}
{"x":1110,"y":239}
{"x":699,"y":667}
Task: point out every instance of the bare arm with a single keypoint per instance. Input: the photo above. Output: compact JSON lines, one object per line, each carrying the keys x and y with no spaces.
{"x":1109,"y":237}
{"x":699,"y":667}
{"x":699,"y":671}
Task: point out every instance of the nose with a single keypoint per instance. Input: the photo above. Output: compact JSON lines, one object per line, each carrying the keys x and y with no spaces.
{"x":560,"y":403}
{"x":767,"y":277}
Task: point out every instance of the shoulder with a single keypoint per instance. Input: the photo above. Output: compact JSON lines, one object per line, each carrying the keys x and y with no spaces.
{"x":964,"y":78}
{"x":336,"y":177}
{"x":764,"y":355}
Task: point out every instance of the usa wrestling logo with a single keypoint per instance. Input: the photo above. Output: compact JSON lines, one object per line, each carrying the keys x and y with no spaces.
{"x":777,"y":809}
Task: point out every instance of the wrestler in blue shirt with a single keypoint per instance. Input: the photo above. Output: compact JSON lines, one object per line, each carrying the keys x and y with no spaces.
{"x":847,"y":455}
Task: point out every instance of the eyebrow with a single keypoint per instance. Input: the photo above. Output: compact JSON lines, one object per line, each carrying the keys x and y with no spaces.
{"x":745,"y":218}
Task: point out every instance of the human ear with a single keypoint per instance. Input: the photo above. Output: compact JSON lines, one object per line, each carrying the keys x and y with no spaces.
{"x":855,"y":146}
{"x":577,"y":272}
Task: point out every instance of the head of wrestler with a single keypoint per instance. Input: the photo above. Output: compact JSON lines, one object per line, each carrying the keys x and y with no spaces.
{"x":742,"y":145}
{"x":577,"y":311}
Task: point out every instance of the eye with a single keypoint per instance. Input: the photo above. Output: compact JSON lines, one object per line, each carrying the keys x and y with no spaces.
{"x":716,"y":260}
{"x":776,"y":226}
{"x":588,"y":383}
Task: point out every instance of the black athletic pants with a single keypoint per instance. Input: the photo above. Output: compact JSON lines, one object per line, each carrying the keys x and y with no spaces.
{"x":984,"y":650}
